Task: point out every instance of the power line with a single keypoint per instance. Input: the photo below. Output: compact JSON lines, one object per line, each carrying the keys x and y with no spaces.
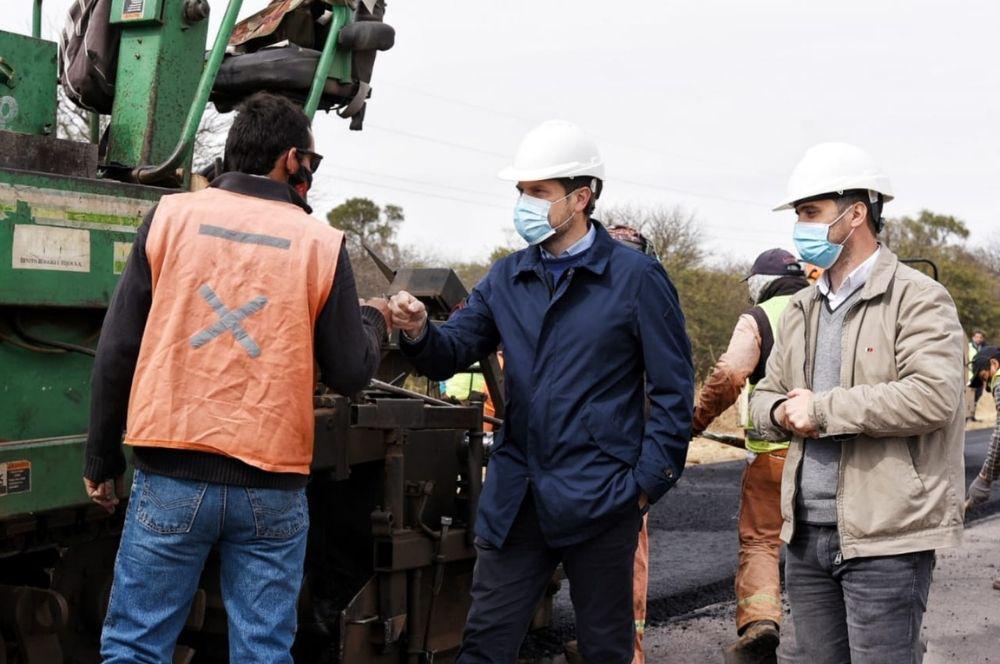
{"x":424,"y":193}
{"x":441,"y":141}
{"x":605,"y":139}
{"x":676,"y":190}
{"x":729,"y":199}
{"x":729,"y":232}
{"x":722,"y":230}
{"x":477,"y":192}
{"x":462,"y":102}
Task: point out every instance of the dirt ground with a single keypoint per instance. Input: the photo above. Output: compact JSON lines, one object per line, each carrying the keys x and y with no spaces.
{"x":704,"y":451}
{"x":986,"y":414}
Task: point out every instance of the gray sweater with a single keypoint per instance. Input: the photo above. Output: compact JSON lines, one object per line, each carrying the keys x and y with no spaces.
{"x":816,"y":500}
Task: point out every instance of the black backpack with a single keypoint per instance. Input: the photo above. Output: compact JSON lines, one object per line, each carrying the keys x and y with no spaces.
{"x":88,"y":55}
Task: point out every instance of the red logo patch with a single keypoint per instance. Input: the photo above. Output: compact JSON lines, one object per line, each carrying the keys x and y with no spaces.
{"x":869,"y":350}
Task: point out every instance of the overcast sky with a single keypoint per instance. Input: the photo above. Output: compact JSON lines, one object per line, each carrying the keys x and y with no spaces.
{"x":703,"y":104}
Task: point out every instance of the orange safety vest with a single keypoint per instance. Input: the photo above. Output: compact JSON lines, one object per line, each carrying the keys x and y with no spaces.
{"x":226,"y":363}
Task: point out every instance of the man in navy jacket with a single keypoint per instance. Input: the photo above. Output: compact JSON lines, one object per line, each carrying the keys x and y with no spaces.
{"x":591,"y":330}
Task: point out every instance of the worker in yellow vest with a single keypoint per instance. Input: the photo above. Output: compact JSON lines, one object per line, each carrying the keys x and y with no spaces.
{"x":775,"y":276}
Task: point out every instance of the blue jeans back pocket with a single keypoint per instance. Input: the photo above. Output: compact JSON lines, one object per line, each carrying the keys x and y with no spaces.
{"x":168,"y":505}
{"x":279,"y":513}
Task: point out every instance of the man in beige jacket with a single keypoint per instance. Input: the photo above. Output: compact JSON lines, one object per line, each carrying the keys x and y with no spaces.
{"x":867,"y":379}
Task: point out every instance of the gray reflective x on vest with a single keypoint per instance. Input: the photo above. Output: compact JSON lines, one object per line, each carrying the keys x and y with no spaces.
{"x":229,"y":320}
{"x":244,"y":238}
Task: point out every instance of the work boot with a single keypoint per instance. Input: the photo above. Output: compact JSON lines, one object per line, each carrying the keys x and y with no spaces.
{"x":757,"y":644}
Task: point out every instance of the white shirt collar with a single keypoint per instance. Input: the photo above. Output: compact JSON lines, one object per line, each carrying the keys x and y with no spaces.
{"x":855,"y":280}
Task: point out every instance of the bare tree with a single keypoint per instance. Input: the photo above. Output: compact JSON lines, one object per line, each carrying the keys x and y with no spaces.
{"x":73,"y":123}
{"x":673,"y":232}
{"x":989,"y":257}
{"x":210,"y":141}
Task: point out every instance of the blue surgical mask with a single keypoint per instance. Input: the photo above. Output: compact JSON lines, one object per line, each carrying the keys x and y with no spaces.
{"x":812,"y":240}
{"x":531,"y":218}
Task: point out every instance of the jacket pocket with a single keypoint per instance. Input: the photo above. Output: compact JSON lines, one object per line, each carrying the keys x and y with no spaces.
{"x":883,"y":495}
{"x":611,"y":437}
{"x":167,"y":505}
{"x":279,"y":513}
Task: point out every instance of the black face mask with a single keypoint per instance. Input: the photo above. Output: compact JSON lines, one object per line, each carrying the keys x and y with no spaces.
{"x":301,"y":180}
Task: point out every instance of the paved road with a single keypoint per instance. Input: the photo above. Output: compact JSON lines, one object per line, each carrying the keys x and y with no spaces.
{"x":961,"y":624}
{"x":693,"y":543}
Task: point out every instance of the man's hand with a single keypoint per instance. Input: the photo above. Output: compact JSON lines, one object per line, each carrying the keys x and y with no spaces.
{"x":106,"y":493}
{"x":794,"y":413}
{"x":408,"y":314}
{"x":382,"y":305}
{"x":979,"y":492}
{"x":780,"y":416}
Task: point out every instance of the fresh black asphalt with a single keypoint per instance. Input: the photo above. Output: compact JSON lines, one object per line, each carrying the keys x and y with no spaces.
{"x":693,"y":545}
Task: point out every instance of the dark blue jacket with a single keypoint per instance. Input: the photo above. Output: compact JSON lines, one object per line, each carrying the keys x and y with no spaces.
{"x":576,"y":359}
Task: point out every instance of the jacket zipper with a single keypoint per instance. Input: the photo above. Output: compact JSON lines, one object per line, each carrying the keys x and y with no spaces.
{"x":807,"y":368}
{"x":848,"y":317}
{"x":808,"y":381}
{"x":556,"y":292}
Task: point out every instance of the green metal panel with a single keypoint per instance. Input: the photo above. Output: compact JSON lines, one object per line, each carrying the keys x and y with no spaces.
{"x":63,"y":241}
{"x":46,"y":393}
{"x":158,"y":71}
{"x":137,"y":11}
{"x":55,"y":469}
{"x":41,"y":475}
{"x":28,"y":76}
{"x":181,"y":154}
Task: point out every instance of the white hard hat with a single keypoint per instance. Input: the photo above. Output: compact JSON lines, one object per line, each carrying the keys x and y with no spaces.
{"x":830,"y":168}
{"x":555,"y":149}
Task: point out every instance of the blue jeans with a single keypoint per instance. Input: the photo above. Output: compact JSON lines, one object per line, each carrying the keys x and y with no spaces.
{"x":857,"y":611}
{"x":170,"y":527}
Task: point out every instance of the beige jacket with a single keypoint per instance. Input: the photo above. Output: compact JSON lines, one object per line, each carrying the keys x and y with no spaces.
{"x":899,"y":414}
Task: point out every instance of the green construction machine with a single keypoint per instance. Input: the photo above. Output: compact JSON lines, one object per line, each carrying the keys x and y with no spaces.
{"x":395,"y":480}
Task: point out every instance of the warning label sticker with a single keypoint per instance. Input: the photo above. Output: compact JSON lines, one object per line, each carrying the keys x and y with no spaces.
{"x":133,"y":9}
{"x":122,"y":250}
{"x":50,"y":248}
{"x":15,"y":477}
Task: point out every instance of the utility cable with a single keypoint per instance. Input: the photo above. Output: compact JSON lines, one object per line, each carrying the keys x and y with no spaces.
{"x":19,"y":330}
{"x":476,"y":192}
{"x":534,"y":120}
{"x":647,"y":185}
